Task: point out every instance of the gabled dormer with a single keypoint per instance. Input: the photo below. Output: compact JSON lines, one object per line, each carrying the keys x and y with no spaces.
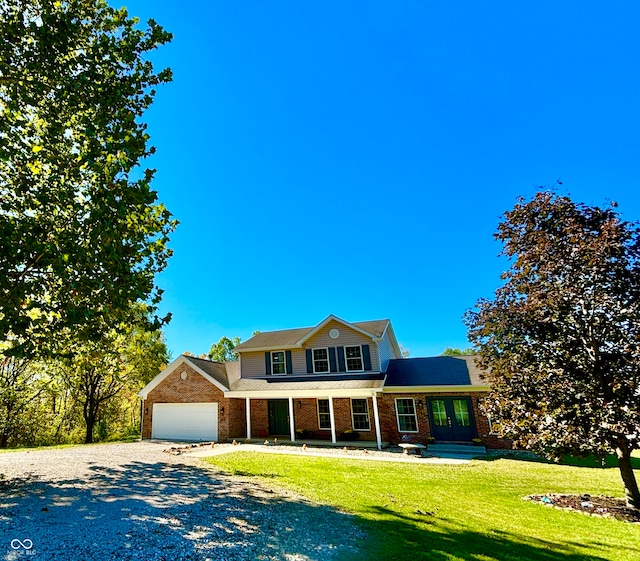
{"x":333,"y":347}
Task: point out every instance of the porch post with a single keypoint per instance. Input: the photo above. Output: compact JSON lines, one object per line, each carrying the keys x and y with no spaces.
{"x":247,"y":406}
{"x":333,"y":421}
{"x":292,"y":422}
{"x":376,"y":420}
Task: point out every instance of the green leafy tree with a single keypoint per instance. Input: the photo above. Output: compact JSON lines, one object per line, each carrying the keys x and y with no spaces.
{"x":222,"y":351}
{"x":97,"y":372}
{"x":21,"y":384}
{"x":561,"y":337}
{"x":81,"y":232}
{"x":451,"y":351}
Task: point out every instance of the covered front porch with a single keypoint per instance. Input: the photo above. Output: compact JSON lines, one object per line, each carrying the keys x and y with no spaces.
{"x":327,"y":417}
{"x":364,"y":444}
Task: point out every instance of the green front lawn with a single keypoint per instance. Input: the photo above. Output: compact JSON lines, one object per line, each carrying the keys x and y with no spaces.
{"x":462,"y":512}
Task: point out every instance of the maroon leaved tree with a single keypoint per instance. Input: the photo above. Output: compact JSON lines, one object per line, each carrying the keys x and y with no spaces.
{"x":561,"y":337}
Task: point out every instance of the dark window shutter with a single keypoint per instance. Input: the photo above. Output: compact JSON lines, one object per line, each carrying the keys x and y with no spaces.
{"x":309,"y":361}
{"x":267,"y":363}
{"x":366,"y":357}
{"x":332,"y":359}
{"x":287,"y":359}
{"x":341,"y":364}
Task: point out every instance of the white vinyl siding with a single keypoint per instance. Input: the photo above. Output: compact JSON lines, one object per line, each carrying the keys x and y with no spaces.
{"x":386,"y":352}
{"x":348,"y":337}
{"x":252,"y":363}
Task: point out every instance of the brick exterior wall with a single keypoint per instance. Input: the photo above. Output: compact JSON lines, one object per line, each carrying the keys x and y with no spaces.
{"x":389,"y":423}
{"x":232,"y":420}
{"x":195,"y":389}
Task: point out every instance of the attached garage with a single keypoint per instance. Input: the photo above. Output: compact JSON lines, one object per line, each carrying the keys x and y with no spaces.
{"x":186,"y":401}
{"x":185,"y":421}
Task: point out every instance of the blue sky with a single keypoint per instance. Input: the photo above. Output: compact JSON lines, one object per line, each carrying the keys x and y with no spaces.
{"x":354,"y":158}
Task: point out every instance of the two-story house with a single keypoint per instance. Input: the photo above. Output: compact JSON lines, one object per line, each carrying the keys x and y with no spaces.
{"x":335,"y":381}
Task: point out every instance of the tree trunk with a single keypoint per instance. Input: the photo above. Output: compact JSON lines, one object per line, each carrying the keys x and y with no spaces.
{"x":90,"y":415}
{"x":631,"y":491}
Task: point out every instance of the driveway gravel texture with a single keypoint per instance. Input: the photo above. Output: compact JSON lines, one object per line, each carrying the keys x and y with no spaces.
{"x":134,"y":501}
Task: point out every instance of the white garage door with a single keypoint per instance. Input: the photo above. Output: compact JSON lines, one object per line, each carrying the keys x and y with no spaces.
{"x":185,"y":421}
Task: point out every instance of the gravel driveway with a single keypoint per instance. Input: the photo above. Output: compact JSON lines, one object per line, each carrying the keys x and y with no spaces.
{"x":132,"y":501}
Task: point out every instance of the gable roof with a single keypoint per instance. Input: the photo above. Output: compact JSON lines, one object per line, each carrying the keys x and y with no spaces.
{"x":217,"y":370}
{"x":291,"y":338}
{"x":441,"y":371}
{"x":214,"y":372}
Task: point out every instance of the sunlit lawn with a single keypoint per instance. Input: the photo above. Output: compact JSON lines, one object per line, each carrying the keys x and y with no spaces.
{"x":470,"y":512}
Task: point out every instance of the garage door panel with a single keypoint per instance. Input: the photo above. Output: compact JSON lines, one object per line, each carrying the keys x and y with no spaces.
{"x":185,"y":421}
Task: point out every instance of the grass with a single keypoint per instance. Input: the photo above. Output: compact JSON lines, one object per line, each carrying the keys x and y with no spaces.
{"x":110,"y":440}
{"x":463,"y":512}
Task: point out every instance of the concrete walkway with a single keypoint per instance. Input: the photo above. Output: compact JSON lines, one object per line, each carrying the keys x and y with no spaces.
{"x":369,"y":455}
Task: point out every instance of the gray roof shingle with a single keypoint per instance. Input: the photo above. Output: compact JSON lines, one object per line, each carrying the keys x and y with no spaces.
{"x":289,"y":337}
{"x":217,"y":370}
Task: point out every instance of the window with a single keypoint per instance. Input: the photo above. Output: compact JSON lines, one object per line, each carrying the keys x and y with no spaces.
{"x":324,"y":417}
{"x":320,"y":360}
{"x":360,"y":414}
{"x":461,"y":411}
{"x":277,"y":363}
{"x":406,"y":413}
{"x":439,"y":413}
{"x":354,"y":358}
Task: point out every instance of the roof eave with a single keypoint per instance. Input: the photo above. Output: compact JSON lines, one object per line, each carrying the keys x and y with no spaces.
{"x":435,"y":389}
{"x":331,"y":317}
{"x":144,"y":392}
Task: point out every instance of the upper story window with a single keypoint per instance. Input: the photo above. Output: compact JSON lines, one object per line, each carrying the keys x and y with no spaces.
{"x":320,"y":360}
{"x":278,"y":365}
{"x":354,"y":358}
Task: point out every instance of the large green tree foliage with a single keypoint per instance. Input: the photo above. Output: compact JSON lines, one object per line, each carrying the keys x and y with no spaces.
{"x":222,"y":351}
{"x":21,"y":384}
{"x":81,"y":232}
{"x":561,"y":337}
{"x":96,"y":372}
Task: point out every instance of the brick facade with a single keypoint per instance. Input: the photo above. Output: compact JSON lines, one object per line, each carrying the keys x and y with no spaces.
{"x":232,"y":420}
{"x":195,"y":389}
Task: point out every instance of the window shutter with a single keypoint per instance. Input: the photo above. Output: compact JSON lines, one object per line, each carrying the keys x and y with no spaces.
{"x":341,"y":364}
{"x":332,"y":359}
{"x":289,"y":366}
{"x":267,"y":363}
{"x":309,"y":361}
{"x":366,"y":357}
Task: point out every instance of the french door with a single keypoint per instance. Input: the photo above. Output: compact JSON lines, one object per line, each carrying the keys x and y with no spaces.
{"x":452,"y":419}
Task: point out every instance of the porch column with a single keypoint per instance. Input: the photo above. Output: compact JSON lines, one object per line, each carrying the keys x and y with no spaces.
{"x":247,"y":407}
{"x":376,"y":420}
{"x":333,"y":421}
{"x":292,"y":422}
